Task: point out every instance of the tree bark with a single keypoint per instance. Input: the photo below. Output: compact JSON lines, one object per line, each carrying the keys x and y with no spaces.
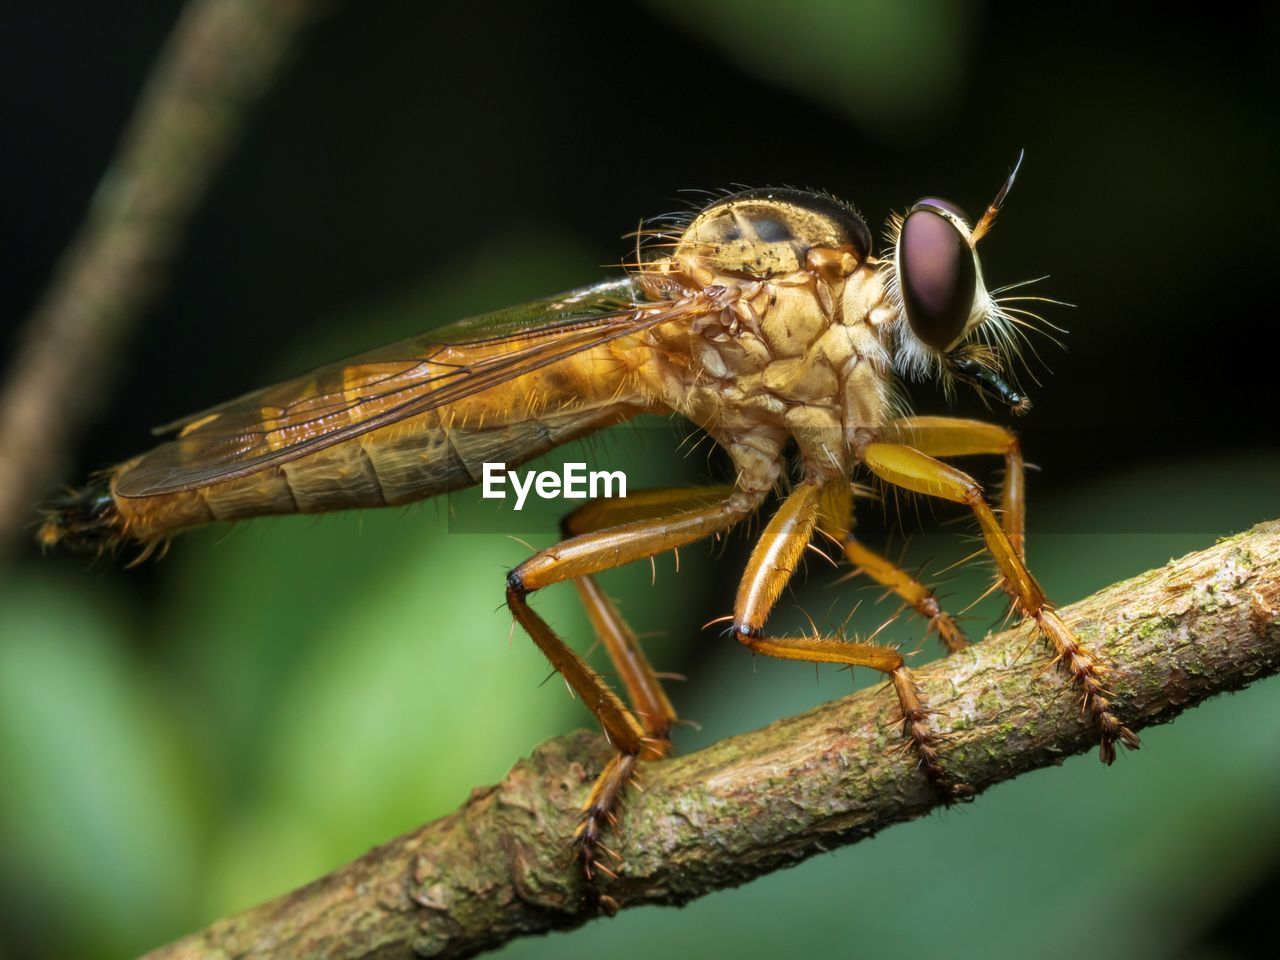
{"x":501,"y":866}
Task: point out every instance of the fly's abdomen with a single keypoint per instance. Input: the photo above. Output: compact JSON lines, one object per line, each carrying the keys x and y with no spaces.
{"x":85,"y":520}
{"x":421,"y":456}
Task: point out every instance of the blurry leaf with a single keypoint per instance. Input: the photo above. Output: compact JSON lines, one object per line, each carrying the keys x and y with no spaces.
{"x":411,"y":694}
{"x":97,"y":842}
{"x":892,"y":66}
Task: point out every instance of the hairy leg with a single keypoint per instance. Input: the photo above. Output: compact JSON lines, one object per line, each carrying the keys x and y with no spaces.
{"x":944,"y":437}
{"x":773,"y":561}
{"x":649,"y":524}
{"x":910,"y":469}
{"x":938,"y":437}
{"x":836,"y":520}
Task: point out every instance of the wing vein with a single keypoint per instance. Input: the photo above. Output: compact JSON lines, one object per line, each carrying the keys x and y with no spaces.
{"x":276,"y":425}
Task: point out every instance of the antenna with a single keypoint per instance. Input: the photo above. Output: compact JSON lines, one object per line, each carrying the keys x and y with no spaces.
{"x":993,"y":209}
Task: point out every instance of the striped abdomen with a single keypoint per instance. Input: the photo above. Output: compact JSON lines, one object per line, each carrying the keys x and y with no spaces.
{"x":420,"y":456}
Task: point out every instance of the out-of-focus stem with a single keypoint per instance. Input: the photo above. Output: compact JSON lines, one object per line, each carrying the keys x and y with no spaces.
{"x":221,"y":55}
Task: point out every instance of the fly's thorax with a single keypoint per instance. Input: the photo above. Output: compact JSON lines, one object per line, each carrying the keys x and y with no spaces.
{"x":867,"y":399}
{"x":782,"y":258}
{"x":799,"y":349}
{"x":767,"y":234}
{"x":793,"y":356}
{"x":841,"y":384}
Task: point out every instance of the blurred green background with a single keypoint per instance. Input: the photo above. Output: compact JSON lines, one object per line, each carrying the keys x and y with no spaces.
{"x":182,"y":740}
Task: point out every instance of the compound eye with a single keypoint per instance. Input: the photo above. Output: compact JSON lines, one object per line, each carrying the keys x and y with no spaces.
{"x":937,"y":274}
{"x":947,"y":205}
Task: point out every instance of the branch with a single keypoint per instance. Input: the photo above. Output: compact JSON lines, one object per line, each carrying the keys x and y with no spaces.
{"x":221,"y":55}
{"x":501,"y":866}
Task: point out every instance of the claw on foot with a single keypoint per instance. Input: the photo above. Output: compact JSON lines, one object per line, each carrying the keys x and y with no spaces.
{"x":598,"y":810}
{"x":1087,"y":674}
{"x":943,"y":624}
{"x":923,"y":741}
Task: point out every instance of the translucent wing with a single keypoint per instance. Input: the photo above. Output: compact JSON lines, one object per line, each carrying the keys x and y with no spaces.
{"x":345,"y":399}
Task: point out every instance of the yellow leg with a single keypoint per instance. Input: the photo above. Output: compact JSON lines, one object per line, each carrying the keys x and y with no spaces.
{"x":938,"y":437}
{"x":957,"y":437}
{"x":836,"y":520}
{"x":772,"y":563}
{"x":910,"y":469}
{"x":658,"y":521}
{"x":648,"y":700}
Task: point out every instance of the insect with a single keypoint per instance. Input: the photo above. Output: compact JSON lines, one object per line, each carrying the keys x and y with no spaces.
{"x":766,"y":319}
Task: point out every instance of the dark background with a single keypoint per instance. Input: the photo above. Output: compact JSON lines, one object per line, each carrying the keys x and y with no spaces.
{"x":404,"y":135}
{"x":416,"y":164}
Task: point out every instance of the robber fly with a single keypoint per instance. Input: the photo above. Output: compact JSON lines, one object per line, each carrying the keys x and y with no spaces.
{"x":766,"y":319}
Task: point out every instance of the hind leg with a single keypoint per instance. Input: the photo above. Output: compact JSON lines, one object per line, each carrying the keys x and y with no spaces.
{"x":616,"y":533}
{"x":649,"y":702}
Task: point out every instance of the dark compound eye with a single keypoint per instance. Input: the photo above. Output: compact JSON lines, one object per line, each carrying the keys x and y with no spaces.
{"x":945,"y":205}
{"x":937,"y":275}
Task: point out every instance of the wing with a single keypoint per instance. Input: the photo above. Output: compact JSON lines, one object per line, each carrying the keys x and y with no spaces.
{"x":345,"y":399}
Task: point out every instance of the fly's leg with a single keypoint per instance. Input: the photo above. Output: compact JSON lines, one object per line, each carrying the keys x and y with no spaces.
{"x":958,"y":437}
{"x":650,"y":524}
{"x":910,"y":469}
{"x":938,"y":437}
{"x":649,"y":702}
{"x":644,"y":690}
{"x":650,"y":707}
{"x":772,"y":563}
{"x":836,"y":520}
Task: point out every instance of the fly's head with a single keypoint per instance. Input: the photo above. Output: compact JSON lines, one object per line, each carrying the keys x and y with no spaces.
{"x":947,"y":324}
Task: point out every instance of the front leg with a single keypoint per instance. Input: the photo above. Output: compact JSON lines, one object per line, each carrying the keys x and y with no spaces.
{"x":910,"y":469}
{"x":960,"y":437}
{"x":938,"y":437}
